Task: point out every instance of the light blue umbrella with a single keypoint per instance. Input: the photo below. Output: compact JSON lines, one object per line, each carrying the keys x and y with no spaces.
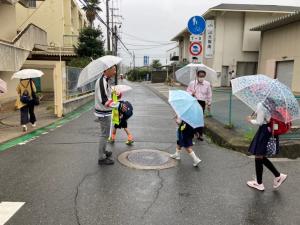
{"x":187,"y":108}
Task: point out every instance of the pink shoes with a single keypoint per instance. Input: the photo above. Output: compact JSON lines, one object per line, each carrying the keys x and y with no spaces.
{"x":254,"y":184}
{"x":279,"y":180}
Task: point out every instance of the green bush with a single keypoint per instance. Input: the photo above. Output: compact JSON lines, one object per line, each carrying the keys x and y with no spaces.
{"x":79,"y":62}
{"x":249,"y":135}
{"x":138,"y":74}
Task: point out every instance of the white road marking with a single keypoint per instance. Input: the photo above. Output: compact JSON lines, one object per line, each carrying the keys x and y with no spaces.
{"x":8,"y":209}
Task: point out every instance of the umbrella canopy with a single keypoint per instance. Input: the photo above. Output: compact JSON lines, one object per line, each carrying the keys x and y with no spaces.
{"x":121,"y":88}
{"x":188,"y":73}
{"x":3,"y":87}
{"x":92,"y":71}
{"x":186,"y":107}
{"x":278,"y":100}
{"x":27,"y":73}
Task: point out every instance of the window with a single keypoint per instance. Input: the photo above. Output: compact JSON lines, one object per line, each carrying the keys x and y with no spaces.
{"x":32,"y":3}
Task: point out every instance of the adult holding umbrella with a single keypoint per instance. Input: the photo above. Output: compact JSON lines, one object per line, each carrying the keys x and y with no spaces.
{"x":275,"y":107}
{"x":201,"y":90}
{"x":103,"y":70}
{"x":27,"y":98}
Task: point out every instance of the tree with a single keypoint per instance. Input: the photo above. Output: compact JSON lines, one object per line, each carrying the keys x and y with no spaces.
{"x":90,"y":43}
{"x":91,"y":10}
{"x":155,"y":63}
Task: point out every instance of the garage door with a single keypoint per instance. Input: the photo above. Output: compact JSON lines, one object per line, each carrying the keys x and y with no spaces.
{"x":284,"y":72}
{"x":246,"y":68}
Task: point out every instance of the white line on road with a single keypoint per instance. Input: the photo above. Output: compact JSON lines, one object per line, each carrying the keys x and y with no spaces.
{"x":8,"y":209}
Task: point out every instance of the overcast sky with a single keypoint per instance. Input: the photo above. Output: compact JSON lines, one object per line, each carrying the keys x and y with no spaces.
{"x":160,"y":20}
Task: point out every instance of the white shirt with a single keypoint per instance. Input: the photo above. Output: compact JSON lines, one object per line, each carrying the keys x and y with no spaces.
{"x":261,"y":117}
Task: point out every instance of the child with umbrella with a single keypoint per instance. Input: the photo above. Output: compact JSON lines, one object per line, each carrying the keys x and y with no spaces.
{"x":189,"y":116}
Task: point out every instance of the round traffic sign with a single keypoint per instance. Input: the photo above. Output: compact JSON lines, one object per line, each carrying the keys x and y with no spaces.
{"x":195,"y":48}
{"x":196,"y":25}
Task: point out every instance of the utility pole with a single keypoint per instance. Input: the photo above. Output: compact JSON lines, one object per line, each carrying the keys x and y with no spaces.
{"x":116,"y":50}
{"x":107,"y":22}
{"x":112,"y":27}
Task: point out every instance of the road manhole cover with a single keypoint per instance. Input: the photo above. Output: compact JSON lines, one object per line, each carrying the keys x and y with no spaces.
{"x":147,"y":159}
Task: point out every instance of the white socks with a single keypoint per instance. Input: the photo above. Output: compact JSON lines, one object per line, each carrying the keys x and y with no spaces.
{"x":193,"y":155}
{"x":195,"y":158}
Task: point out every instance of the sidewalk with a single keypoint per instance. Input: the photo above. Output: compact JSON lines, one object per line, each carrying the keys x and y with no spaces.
{"x":228,"y":138}
{"x":10,"y":120}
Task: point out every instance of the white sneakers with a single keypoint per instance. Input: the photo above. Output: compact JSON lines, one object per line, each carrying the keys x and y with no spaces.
{"x":279,"y":180}
{"x":176,"y":155}
{"x":254,"y":184}
{"x":195,"y":158}
{"x":33,"y":124}
{"x":196,"y":162}
{"x":24,"y":128}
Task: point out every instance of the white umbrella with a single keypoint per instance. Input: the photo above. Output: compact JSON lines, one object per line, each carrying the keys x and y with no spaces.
{"x":92,"y":71}
{"x":3,"y":87}
{"x":121,"y":88}
{"x":27,"y":73}
{"x":188,"y":73}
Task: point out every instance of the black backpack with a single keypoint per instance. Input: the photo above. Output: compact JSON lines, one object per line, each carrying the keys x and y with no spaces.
{"x":126,"y":109}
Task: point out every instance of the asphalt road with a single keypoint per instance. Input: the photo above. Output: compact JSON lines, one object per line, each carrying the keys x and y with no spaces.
{"x":58,"y":178}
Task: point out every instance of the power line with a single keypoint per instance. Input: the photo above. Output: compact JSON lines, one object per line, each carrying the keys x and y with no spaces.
{"x":150,"y":45}
{"x":138,"y":38}
{"x":84,"y":2}
{"x":138,"y":49}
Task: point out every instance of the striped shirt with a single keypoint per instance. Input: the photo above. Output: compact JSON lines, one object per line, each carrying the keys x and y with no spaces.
{"x":103,"y":99}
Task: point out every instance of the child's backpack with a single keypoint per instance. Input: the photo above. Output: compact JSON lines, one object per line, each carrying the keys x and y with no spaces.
{"x":126,"y":109}
{"x":25,"y":98}
{"x":279,"y":127}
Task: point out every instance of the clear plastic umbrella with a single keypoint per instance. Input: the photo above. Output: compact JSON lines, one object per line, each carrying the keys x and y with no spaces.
{"x":186,"y":107}
{"x":3,"y":87}
{"x":277,"y":99}
{"x":92,"y":71}
{"x":188,"y":73}
{"x":27,"y":74}
{"x":121,"y":88}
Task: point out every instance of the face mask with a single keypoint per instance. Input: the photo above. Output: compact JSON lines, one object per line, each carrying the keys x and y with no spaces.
{"x":200,"y":79}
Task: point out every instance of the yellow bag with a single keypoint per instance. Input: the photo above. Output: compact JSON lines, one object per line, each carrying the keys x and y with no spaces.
{"x":115,"y":112}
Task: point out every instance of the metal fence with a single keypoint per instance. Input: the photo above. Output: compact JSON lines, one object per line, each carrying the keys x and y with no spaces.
{"x":71,"y":84}
{"x":230,"y":111}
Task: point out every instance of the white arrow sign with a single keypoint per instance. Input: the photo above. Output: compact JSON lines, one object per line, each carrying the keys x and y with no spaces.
{"x":8,"y":209}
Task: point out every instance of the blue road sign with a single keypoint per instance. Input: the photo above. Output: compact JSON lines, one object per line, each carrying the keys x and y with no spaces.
{"x":196,"y":25}
{"x":146,"y":60}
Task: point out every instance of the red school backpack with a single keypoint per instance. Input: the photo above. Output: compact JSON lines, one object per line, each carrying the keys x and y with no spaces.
{"x":279,"y":127}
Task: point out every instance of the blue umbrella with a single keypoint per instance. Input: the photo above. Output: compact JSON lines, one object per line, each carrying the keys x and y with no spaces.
{"x":187,"y":108}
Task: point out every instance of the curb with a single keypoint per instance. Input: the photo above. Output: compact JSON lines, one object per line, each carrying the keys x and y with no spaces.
{"x":36,"y":133}
{"x":233,"y":140}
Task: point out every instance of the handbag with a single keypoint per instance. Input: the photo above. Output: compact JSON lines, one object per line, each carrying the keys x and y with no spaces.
{"x":271,"y":147}
{"x":35,"y":98}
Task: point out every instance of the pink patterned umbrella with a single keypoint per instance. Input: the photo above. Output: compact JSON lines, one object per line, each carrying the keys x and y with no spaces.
{"x":3,"y":87}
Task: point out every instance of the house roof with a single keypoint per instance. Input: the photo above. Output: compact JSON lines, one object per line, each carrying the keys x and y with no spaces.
{"x":279,"y":22}
{"x":261,"y":8}
{"x":243,"y":8}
